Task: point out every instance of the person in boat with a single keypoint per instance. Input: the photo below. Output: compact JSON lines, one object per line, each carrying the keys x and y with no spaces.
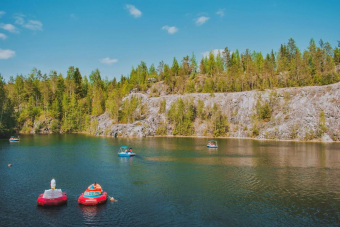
{"x":130,"y":150}
{"x":53,"y":184}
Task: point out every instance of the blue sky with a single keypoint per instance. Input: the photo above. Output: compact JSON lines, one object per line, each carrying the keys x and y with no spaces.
{"x":113,"y":36}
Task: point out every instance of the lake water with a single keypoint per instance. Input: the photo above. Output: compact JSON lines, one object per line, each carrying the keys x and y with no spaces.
{"x":172,"y":182}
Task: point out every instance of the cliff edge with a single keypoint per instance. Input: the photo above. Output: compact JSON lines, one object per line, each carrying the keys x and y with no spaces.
{"x":303,"y":113}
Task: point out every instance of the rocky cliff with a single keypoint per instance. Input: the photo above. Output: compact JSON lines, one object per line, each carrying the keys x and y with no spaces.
{"x":304,"y":113}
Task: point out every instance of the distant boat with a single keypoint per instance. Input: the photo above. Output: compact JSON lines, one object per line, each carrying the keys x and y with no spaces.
{"x":212,"y":144}
{"x":125,"y":151}
{"x":14,"y":139}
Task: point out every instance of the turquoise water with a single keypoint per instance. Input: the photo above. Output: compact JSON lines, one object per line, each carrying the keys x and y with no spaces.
{"x":172,"y":182}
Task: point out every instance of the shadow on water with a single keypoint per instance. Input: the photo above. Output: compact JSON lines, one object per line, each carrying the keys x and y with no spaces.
{"x":47,"y":210}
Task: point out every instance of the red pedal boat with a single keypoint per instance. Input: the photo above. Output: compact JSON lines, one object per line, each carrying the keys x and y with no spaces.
{"x":44,"y":200}
{"x":93,"y":195}
{"x":52,"y":197}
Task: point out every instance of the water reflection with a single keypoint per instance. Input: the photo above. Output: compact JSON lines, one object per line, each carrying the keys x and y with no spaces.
{"x":52,"y":215}
{"x":91,"y":214}
{"x":126,"y":159}
{"x":257,"y":154}
{"x":173,"y":182}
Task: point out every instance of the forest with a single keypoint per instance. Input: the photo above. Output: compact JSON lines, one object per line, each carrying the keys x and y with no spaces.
{"x":67,"y":102}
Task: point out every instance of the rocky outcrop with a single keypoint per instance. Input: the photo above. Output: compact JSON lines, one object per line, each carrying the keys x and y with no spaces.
{"x":306,"y":113}
{"x":40,"y":126}
{"x":106,"y":127}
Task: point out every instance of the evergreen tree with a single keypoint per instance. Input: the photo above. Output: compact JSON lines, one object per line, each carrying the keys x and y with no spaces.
{"x":78,"y":90}
{"x":202,"y":67}
{"x":211,"y":64}
{"x":174,"y":67}
{"x":193,"y":64}
{"x":7,"y":120}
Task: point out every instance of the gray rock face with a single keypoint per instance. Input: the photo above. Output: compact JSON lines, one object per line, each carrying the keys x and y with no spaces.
{"x":295,"y":114}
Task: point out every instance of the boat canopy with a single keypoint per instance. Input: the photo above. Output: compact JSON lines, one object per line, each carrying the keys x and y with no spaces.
{"x":124,"y":147}
{"x":212,"y":141}
{"x":52,"y":194}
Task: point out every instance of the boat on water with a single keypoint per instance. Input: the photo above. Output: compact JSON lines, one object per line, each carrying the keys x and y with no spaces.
{"x":93,"y":195}
{"x":125,"y":151}
{"x":52,"y":197}
{"x":212,"y":144}
{"x":14,"y":139}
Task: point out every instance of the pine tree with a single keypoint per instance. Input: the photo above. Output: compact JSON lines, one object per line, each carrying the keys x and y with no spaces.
{"x":202,"y":67}
{"x":78,"y":90}
{"x":193,"y":64}
{"x":211,"y":64}
{"x":174,"y":67}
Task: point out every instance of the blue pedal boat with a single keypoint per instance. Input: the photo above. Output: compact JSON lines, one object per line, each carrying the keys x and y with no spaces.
{"x":125,"y":151}
{"x":212,"y":144}
{"x":14,"y":139}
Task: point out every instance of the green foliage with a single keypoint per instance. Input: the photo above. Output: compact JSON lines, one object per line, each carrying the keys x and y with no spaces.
{"x":7,"y":120}
{"x":209,"y":86}
{"x":181,"y":115}
{"x":161,"y":130}
{"x":255,"y":131}
{"x":162,"y":106}
{"x":112,"y":105}
{"x":221,"y":124}
{"x":310,"y":135}
{"x":322,"y":124}
{"x":264,"y":111}
{"x":211,"y":67}
{"x":55,"y":126}
{"x":175,"y":67}
{"x":132,"y":109}
{"x":190,"y":88}
{"x":200,"y":109}
{"x":93,"y":126}
{"x":294,"y":131}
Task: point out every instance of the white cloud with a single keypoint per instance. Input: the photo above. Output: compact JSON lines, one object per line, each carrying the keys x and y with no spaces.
{"x":220,"y":12}
{"x":202,"y":20}
{"x":133,"y":11}
{"x":6,"y":54}
{"x":2,"y":13}
{"x":9,"y":27}
{"x":215,"y":52}
{"x":171,"y":30}
{"x":3,"y":36}
{"x":31,"y":24}
{"x":108,"y":61}
{"x":19,"y":18}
